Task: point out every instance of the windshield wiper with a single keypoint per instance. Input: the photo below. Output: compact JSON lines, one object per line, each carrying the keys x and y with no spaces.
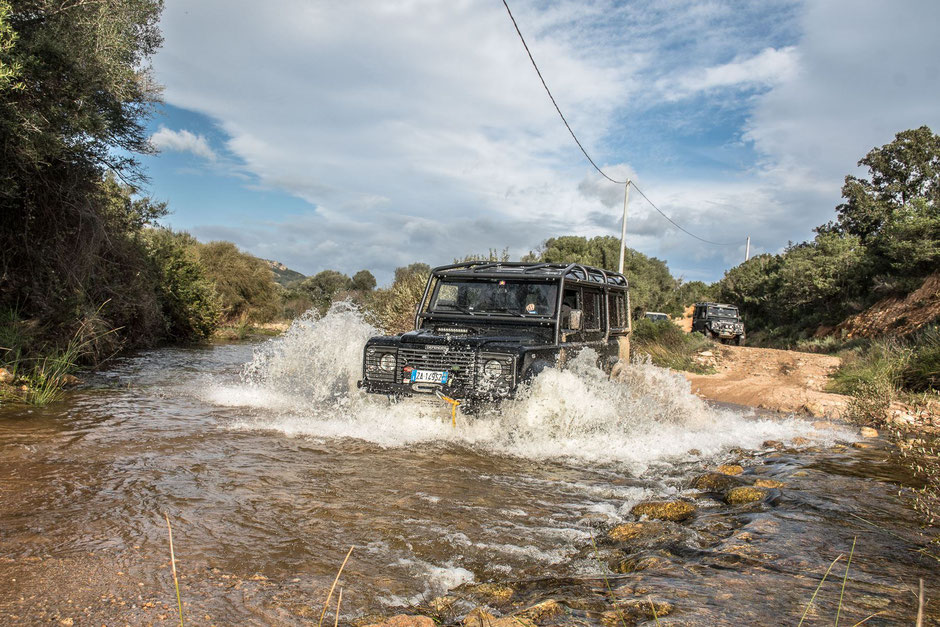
{"x":511,"y":312}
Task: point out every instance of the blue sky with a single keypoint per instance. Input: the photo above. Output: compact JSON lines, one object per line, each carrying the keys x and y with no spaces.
{"x":374,"y":134}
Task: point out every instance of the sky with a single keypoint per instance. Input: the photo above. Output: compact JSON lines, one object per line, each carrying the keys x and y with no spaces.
{"x":372,"y":134}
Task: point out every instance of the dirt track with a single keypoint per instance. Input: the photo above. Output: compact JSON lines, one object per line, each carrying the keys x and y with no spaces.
{"x":772,"y":379}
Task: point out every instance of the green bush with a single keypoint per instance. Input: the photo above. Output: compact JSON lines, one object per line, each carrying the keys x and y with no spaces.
{"x":921,"y":373}
{"x":188,"y":301}
{"x":668,"y":346}
{"x":393,"y":309}
{"x":244,"y":284}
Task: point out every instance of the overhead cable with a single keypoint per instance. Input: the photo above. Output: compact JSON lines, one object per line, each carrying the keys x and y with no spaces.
{"x":673,"y":222}
{"x":557,"y":108}
{"x":578,"y":142}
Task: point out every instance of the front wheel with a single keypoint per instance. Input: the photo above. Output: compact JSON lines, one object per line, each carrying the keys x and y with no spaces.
{"x":740,"y":340}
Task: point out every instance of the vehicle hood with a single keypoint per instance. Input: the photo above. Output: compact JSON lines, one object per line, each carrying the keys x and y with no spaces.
{"x":486,"y":338}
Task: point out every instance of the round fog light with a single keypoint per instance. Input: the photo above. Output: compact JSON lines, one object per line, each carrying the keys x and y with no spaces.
{"x":493,"y":369}
{"x":387,"y":362}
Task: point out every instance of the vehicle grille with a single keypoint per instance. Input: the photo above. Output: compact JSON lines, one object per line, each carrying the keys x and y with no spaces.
{"x":459,"y":363}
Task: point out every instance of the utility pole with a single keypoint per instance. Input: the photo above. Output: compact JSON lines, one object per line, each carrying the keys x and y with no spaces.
{"x":747,"y":250}
{"x":623,"y":226}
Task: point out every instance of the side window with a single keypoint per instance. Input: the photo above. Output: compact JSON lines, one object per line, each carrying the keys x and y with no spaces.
{"x":569,"y":301}
{"x":593,"y":309}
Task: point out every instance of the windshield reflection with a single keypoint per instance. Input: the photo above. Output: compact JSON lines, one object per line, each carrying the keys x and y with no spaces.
{"x":515,"y":298}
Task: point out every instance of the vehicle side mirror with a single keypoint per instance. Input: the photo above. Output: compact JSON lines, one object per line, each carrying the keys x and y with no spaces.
{"x":574,"y":320}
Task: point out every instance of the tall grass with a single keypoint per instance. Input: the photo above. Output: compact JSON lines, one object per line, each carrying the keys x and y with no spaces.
{"x":669,"y":346}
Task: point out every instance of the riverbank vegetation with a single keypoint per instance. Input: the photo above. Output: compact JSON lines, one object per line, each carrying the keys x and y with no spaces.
{"x":668,"y":346}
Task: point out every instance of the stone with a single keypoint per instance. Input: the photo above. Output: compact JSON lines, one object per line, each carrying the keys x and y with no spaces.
{"x":636,"y":564}
{"x":542,"y":612}
{"x":745,"y":494}
{"x":629,"y":612}
{"x":868,"y":432}
{"x":664,"y":510}
{"x":478,"y":617}
{"x":441,"y":607}
{"x":768,"y":483}
{"x":405,"y":620}
{"x":862,"y":445}
{"x":70,"y":380}
{"x":730,"y":469}
{"x":715,"y":482}
{"x":493,"y":592}
{"x":799,"y":441}
{"x":6,"y":376}
{"x":775,"y":444}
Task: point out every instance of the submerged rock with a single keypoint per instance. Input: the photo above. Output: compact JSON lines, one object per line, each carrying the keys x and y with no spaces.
{"x":629,"y":612}
{"x":664,"y":510}
{"x":542,"y":612}
{"x":639,"y":562}
{"x":730,"y":469}
{"x":768,"y":483}
{"x":868,"y":432}
{"x":405,"y":620}
{"x":745,"y":494}
{"x":494,"y":593}
{"x":715,"y":482}
{"x":6,"y":376}
{"x":478,"y":617}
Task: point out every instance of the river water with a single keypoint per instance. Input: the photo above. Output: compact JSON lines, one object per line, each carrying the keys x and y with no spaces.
{"x":271,"y":466}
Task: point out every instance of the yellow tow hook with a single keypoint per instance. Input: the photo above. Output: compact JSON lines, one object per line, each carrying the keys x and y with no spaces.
{"x":453,"y":407}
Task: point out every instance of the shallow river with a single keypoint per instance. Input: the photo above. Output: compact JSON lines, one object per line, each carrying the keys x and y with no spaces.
{"x":270,"y":468}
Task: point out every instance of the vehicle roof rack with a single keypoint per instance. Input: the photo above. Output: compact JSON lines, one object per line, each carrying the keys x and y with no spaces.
{"x":503,"y":269}
{"x":707,"y":304}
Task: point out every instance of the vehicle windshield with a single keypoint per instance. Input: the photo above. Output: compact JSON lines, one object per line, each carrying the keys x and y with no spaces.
{"x":722,"y":312}
{"x":494,"y":296}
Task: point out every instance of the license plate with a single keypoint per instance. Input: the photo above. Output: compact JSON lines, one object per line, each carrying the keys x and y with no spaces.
{"x":429,"y":376}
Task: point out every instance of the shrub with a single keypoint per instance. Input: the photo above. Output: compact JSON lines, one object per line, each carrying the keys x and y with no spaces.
{"x":921,"y":373}
{"x":394,"y":308}
{"x":245,"y":284}
{"x":668,"y":346}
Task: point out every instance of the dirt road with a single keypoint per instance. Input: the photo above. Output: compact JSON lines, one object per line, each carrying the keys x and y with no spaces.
{"x":781,"y":380}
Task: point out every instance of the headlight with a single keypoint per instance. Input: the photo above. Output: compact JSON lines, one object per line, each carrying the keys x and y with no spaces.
{"x":492,"y":369}
{"x":387,"y":362}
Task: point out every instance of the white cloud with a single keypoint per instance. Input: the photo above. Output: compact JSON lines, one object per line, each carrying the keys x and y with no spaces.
{"x":418,"y":130}
{"x":768,"y":67}
{"x":183,"y":141}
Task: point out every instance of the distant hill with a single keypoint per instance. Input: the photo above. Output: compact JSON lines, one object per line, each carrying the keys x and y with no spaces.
{"x":282,"y":274}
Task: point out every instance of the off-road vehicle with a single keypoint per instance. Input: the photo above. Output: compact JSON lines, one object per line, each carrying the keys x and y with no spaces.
{"x":718,"y":322}
{"x":483,"y":328}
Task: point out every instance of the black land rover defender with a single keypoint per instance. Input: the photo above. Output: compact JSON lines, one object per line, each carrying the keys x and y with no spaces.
{"x":718,"y":322}
{"x":482,"y":328}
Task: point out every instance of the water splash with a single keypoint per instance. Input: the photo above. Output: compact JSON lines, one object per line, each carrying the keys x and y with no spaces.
{"x":303,"y":383}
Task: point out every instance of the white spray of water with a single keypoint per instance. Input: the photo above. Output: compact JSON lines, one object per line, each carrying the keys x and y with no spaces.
{"x":303,"y":383}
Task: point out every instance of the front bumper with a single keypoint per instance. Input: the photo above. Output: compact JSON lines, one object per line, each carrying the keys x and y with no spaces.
{"x":459,"y":392}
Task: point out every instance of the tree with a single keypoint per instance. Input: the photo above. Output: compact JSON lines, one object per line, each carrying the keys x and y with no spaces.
{"x":414,"y":269}
{"x":323,"y":286}
{"x":363,"y":281}
{"x":652,"y":287}
{"x":244,"y":283}
{"x":901,"y":171}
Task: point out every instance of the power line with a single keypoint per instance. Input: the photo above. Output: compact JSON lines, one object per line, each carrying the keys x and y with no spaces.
{"x":578,"y":142}
{"x":673,"y":222}
{"x":557,"y":108}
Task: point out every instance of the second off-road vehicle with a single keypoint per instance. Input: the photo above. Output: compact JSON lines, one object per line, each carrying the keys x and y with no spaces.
{"x":483,"y":328}
{"x":719,"y":322}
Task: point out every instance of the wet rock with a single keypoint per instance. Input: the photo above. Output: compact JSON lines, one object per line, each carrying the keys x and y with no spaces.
{"x":768,"y":483}
{"x":6,"y":376}
{"x":799,"y":441}
{"x":542,"y":612}
{"x":441,"y":608}
{"x":633,"y":610}
{"x":478,"y":617}
{"x":868,"y":432}
{"x":775,"y":444}
{"x":664,"y":510}
{"x":730,"y":469}
{"x":820,"y":425}
{"x":715,"y":482}
{"x":862,"y":445}
{"x":494,"y":593}
{"x":405,"y":620}
{"x":637,"y":563}
{"x":745,"y":494}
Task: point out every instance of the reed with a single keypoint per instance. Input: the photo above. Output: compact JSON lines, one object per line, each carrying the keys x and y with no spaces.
{"x":329,"y":596}
{"x":176,"y":581}
{"x":822,"y":581}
